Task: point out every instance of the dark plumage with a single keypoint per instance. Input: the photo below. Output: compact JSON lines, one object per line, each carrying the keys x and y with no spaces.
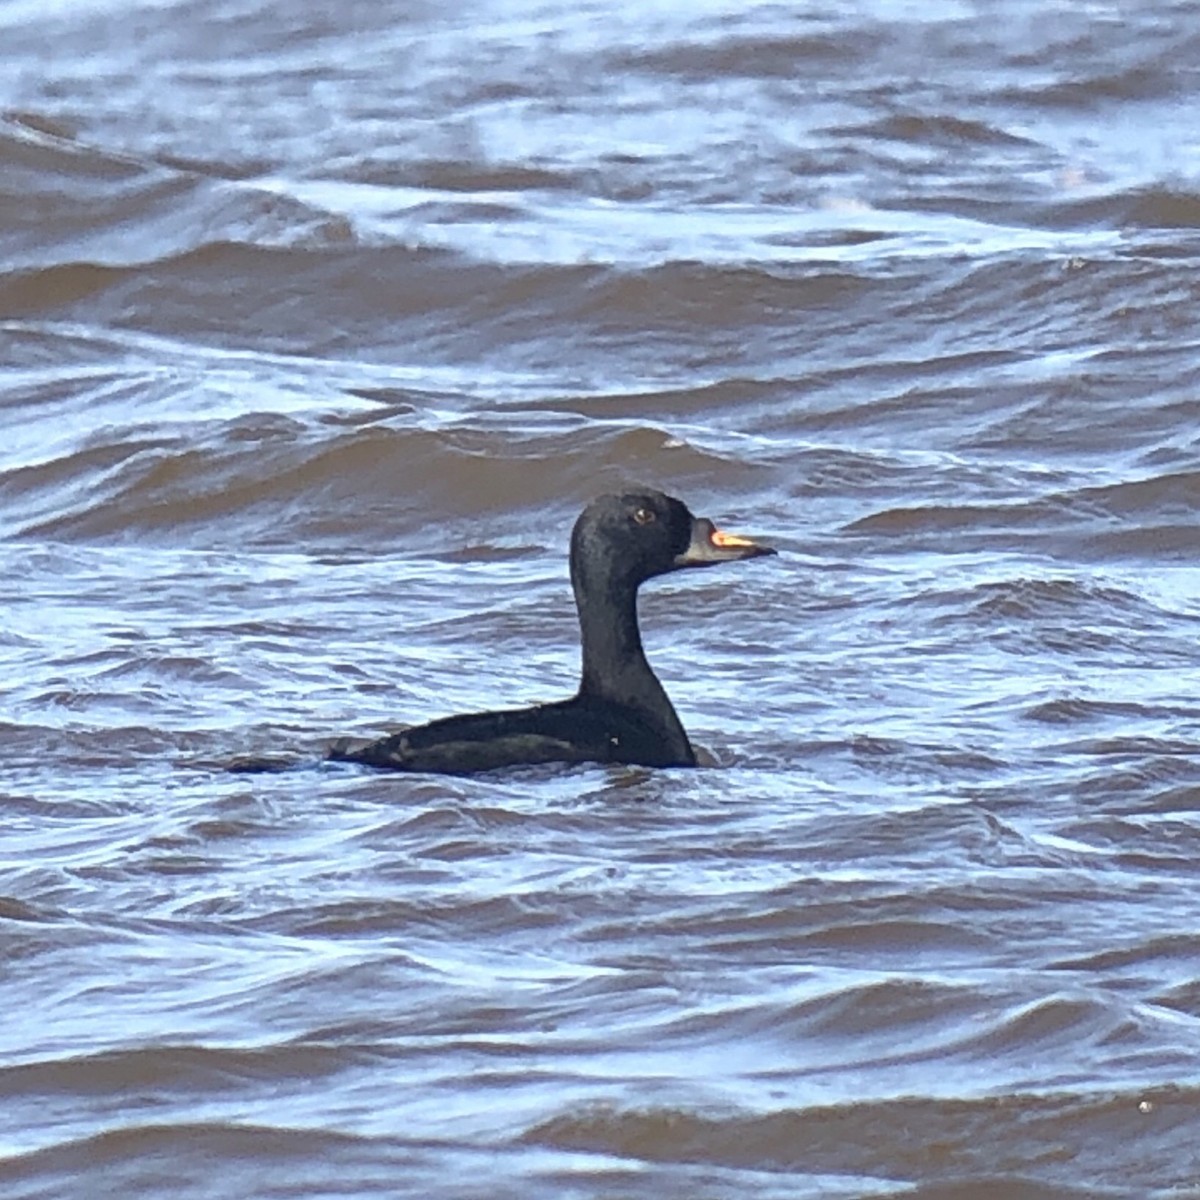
{"x":621,"y":712}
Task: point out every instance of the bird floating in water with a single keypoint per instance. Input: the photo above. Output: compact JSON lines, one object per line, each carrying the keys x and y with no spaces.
{"x":621,"y":713}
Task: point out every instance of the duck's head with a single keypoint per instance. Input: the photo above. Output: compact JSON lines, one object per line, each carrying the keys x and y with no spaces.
{"x":635,"y":535}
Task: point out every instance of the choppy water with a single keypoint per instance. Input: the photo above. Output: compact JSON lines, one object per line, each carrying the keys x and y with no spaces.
{"x":319,"y":324}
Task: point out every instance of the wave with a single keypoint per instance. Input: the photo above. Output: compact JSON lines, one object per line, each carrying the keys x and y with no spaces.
{"x":64,"y":203}
{"x":277,"y":480}
{"x":983,"y":1147}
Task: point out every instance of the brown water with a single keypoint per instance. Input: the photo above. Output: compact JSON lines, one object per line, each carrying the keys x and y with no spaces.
{"x":318,"y":325}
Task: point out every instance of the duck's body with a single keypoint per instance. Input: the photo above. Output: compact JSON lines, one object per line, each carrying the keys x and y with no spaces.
{"x":621,"y":714}
{"x":582,"y":729}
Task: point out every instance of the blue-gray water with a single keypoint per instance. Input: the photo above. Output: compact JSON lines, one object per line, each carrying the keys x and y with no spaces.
{"x":318,"y":326}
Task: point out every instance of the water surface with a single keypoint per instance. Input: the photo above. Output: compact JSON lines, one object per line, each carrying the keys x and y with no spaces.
{"x":317,"y":329}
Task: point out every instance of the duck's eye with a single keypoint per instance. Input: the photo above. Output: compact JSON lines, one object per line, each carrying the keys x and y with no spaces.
{"x":643,"y":516}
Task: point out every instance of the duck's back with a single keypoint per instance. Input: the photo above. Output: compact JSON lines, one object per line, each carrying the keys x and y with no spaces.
{"x":582,"y":729}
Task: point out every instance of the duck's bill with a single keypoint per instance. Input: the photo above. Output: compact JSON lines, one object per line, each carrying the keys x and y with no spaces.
{"x":710,"y":545}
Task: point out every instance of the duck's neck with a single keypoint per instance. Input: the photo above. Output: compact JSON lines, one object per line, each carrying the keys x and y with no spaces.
{"x":614,"y":663}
